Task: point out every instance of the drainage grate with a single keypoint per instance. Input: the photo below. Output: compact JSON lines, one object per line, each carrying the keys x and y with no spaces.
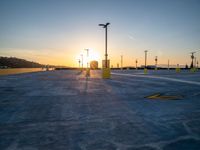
{"x":161,"y":96}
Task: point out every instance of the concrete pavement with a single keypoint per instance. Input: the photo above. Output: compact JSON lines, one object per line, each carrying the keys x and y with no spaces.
{"x":64,"y":110}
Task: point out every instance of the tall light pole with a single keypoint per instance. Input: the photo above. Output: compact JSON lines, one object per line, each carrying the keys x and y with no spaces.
{"x":168,"y":64}
{"x":136,"y":64}
{"x":145,"y":64}
{"x":121,"y":62}
{"x":87,"y":70}
{"x":87,"y":56}
{"x":192,"y":57}
{"x":82,"y":60}
{"x":106,"y":53}
{"x":156,"y":61}
{"x":79,"y":63}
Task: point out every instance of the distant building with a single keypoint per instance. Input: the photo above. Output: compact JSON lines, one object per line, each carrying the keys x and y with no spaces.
{"x":94,"y":64}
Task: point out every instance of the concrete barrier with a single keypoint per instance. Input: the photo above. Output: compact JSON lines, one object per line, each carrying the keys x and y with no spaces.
{"x":19,"y":70}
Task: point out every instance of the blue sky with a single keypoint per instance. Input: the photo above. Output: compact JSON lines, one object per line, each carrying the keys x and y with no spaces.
{"x":57,"y":31}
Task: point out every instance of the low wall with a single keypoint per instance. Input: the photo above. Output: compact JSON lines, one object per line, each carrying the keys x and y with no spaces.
{"x":19,"y":70}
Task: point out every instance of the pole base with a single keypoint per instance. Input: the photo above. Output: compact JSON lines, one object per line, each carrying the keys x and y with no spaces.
{"x":193,"y":70}
{"x":87,"y":72}
{"x":145,"y":70}
{"x":178,"y":70}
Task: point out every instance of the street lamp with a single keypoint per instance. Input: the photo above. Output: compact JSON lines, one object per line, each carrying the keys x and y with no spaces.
{"x":168,"y":64}
{"x":121,"y":62}
{"x":106,"y":54}
{"x":87,"y":56}
{"x":145,"y":64}
{"x":136,"y":64}
{"x":82,"y":61}
{"x":156,"y":60}
{"x":192,"y":57}
{"x":87,"y":70}
{"x":79,"y":63}
{"x":106,"y":69}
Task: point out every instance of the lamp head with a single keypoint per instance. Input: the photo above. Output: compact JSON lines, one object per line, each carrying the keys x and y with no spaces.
{"x":102,"y":25}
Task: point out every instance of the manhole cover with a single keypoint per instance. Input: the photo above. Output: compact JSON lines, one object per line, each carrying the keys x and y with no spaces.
{"x":162,"y":96}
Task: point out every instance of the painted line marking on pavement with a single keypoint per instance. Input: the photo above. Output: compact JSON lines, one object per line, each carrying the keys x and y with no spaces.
{"x":156,"y":77}
{"x":164,"y":97}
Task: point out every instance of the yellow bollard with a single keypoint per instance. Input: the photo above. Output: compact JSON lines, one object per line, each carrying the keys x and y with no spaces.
{"x":87,"y":72}
{"x":178,"y":70}
{"x":145,"y":70}
{"x":192,"y":70}
{"x":106,"y":73}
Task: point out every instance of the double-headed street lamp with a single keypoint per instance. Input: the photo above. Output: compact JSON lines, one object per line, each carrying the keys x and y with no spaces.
{"x":106,"y":53}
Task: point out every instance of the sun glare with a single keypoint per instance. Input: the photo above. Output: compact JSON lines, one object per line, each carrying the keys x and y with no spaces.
{"x":93,"y":55}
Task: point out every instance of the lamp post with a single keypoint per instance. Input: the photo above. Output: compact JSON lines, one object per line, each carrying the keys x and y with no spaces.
{"x":121,"y":62}
{"x":79,"y":63}
{"x":136,"y":64}
{"x":168,"y":64}
{"x":145,"y":64}
{"x":87,"y":70}
{"x":192,"y":57}
{"x":87,"y":56}
{"x":156,"y":61}
{"x":106,"y":53}
{"x":82,"y":61}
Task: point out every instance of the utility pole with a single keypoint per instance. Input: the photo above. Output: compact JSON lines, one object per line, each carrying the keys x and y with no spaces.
{"x":195,"y":62}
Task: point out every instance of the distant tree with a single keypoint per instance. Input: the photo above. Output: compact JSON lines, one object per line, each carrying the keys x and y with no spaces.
{"x":186,"y":66}
{"x":13,"y":62}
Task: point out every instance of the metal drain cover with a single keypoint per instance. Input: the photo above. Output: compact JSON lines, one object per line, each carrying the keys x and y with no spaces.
{"x":162,"y":96}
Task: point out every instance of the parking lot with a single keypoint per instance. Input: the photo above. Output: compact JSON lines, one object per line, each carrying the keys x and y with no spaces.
{"x":64,"y":110}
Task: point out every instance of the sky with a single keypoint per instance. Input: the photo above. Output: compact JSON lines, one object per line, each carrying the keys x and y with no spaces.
{"x":57,"y":31}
